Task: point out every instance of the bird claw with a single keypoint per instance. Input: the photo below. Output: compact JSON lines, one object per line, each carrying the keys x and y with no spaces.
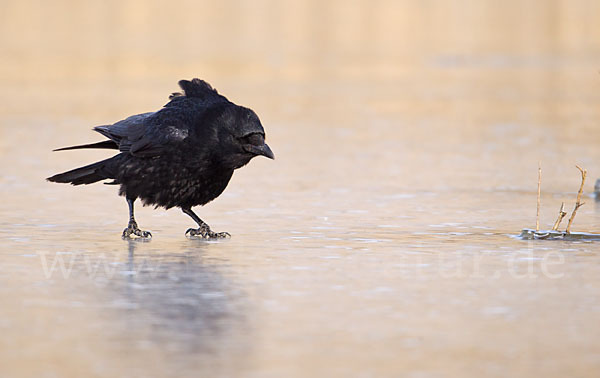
{"x":132,"y":231}
{"x":206,"y":233}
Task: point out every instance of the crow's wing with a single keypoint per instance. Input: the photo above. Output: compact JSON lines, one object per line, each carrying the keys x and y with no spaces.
{"x":140,"y":135}
{"x":137,"y":136}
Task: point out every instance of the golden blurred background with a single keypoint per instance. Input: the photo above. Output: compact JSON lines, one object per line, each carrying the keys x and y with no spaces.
{"x":85,"y":47}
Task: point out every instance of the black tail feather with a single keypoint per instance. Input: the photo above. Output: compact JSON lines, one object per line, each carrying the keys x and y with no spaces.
{"x":109,"y":144}
{"x":84,"y":175}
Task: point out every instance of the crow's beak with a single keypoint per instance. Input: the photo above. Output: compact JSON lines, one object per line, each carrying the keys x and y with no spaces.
{"x":263,"y":150}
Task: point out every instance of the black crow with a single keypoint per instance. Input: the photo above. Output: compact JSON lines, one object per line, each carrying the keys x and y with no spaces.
{"x":182,"y":155}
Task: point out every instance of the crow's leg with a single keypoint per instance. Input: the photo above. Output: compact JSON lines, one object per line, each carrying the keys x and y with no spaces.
{"x":132,"y":227}
{"x":203,"y":230}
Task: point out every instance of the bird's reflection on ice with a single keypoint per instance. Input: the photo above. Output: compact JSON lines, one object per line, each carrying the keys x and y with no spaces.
{"x":184,"y":301}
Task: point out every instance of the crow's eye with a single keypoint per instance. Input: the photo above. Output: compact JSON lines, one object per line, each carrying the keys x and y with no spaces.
{"x":255,"y":139}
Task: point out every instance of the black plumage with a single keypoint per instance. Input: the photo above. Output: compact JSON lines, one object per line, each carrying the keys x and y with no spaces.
{"x":182,"y":155}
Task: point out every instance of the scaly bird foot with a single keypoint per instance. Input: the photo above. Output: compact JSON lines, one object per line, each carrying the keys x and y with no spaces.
{"x":206,"y":233}
{"x":132,"y":231}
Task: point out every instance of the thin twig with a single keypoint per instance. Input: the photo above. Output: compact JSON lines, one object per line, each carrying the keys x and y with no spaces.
{"x":561,"y":215}
{"x":537,"y":218}
{"x":578,"y":204}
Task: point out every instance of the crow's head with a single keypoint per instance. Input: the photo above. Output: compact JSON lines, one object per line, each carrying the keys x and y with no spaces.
{"x":242,"y":136}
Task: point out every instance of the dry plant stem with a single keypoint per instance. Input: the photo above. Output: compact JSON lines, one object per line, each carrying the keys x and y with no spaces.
{"x":537,"y":218}
{"x":578,"y":204}
{"x":561,"y":215}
